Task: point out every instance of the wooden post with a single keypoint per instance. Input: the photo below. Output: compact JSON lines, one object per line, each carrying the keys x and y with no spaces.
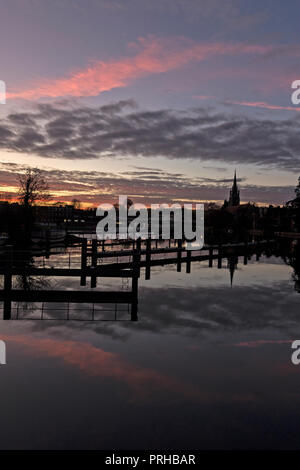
{"x":210,"y":261}
{"x":246,"y":253}
{"x":135,"y":277}
{"x":8,"y":284}
{"x":148,"y":259}
{"x":179,"y":254}
{"x":47,"y":243}
{"x":83,"y":262}
{"x":220,"y":257}
{"x":7,"y":291}
{"x":94,"y":262}
{"x":188,"y":261}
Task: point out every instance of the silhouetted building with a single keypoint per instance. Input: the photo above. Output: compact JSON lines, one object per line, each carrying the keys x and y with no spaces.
{"x":234,"y":195}
{"x":54,"y":214}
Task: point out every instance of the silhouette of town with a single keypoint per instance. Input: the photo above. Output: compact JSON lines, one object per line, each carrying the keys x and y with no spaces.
{"x":34,"y":234}
{"x":23,"y":222}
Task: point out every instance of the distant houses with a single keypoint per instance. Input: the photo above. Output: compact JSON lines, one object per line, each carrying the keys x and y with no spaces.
{"x":54,"y":214}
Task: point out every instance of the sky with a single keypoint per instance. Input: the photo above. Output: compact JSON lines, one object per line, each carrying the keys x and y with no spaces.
{"x":160,"y":100}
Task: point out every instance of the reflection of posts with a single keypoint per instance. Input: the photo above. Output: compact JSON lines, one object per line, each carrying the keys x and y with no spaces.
{"x":179,"y":244}
{"x":246,"y":253}
{"x":210,"y":261}
{"x":188,"y":261}
{"x":47,"y":243}
{"x":135,"y":276}
{"x":94,"y":262}
{"x":220,"y":253}
{"x":148,"y":259}
{"x":8,"y":294}
{"x":83,"y":261}
{"x":7,"y":284}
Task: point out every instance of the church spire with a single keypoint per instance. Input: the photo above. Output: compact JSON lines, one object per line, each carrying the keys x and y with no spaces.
{"x":234,"y":197}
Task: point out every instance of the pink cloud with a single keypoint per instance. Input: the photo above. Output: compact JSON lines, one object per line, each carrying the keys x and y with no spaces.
{"x":95,"y":361}
{"x":149,"y":55}
{"x":204,"y":97}
{"x":252,"y":104}
{"x":144,"y":381}
{"x":260,"y":342}
{"x":263,"y":104}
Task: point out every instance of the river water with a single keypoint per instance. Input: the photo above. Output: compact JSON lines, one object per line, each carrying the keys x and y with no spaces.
{"x":206,"y":366}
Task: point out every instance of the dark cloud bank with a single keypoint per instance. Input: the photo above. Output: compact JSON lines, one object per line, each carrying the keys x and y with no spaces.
{"x":69,"y":130}
{"x":120,"y":129}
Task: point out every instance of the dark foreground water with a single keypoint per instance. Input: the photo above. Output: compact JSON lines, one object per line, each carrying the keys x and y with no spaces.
{"x":206,"y":366}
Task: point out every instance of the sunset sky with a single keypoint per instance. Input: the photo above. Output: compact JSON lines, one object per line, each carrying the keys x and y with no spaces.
{"x":160,"y":100}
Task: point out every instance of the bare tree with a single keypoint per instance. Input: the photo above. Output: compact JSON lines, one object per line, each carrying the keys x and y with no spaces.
{"x":33,"y":187}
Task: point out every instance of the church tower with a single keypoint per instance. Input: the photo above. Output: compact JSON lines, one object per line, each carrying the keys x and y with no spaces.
{"x":234,"y":197}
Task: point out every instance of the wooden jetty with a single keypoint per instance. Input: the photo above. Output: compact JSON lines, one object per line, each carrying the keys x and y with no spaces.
{"x":151,"y":253}
{"x":99,"y":259}
{"x":130,"y":297}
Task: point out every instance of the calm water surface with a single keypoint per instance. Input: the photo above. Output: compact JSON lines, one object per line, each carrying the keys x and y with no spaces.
{"x":206,"y":366}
